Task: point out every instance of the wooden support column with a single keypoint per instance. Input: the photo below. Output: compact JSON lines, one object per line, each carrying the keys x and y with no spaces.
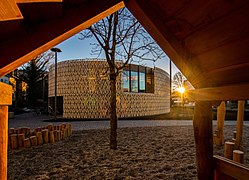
{"x":239,"y":125}
{"x":221,"y":112}
{"x":203,"y":133}
{"x":5,"y":100}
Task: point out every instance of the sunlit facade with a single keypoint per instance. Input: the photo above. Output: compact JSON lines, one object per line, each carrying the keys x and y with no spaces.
{"x":83,"y":90}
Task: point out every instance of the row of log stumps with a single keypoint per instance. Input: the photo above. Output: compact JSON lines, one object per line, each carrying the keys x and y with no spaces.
{"x":231,"y":152}
{"x":25,"y":138}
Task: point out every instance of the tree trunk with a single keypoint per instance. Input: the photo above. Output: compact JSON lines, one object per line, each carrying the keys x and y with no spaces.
{"x":113,"y":112}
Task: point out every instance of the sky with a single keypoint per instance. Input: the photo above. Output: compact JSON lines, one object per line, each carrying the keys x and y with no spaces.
{"x":74,"y":48}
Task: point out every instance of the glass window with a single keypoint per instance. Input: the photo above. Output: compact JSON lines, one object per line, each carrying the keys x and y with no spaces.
{"x":134,"y":81}
{"x":125,"y":81}
{"x":141,"y":82}
{"x":149,"y":81}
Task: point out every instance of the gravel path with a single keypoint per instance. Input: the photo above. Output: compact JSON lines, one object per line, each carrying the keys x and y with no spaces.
{"x":143,"y":153}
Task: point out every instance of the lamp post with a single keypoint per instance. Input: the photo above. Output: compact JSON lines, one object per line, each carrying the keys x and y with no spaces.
{"x":55,"y":50}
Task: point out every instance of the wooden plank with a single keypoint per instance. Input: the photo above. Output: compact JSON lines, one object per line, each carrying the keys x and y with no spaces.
{"x":5,"y":94}
{"x":231,"y":168}
{"x":51,"y":33}
{"x":203,"y":134}
{"x":3,"y":141}
{"x":239,"y":125}
{"x":9,"y":10}
{"x":233,"y":92}
{"x":150,"y":19}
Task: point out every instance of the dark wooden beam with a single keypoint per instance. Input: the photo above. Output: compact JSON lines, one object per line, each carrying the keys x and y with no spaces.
{"x":42,"y":37}
{"x":152,"y":22}
{"x":203,"y":134}
{"x":233,"y":92}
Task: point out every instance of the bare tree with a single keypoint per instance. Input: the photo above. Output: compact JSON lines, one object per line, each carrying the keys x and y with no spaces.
{"x":178,"y":80}
{"x":120,"y":37}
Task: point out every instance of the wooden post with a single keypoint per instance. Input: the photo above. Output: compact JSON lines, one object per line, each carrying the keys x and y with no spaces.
{"x":14,"y":141}
{"x":39,"y":138}
{"x":228,"y":152}
{"x":5,"y":100}
{"x":27,"y":143}
{"x":45,"y":136}
{"x":203,"y":133}
{"x":33,"y":140}
{"x":221,"y":112}
{"x":20,"y":138}
{"x":50,"y":127}
{"x":239,"y":125}
{"x":238,"y":156}
{"x":51,"y":136}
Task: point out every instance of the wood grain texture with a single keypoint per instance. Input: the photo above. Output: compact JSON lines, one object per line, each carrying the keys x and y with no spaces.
{"x":9,"y":10}
{"x":203,"y":134}
{"x":50,"y":33}
{"x":240,"y":125}
{"x":232,"y":92}
{"x":5,"y":94}
{"x":3,"y":141}
{"x":231,"y":168}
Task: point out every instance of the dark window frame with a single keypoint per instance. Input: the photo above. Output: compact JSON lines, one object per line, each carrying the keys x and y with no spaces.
{"x":148,"y":73}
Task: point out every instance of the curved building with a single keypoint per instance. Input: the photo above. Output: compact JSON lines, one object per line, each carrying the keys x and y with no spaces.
{"x":83,"y":90}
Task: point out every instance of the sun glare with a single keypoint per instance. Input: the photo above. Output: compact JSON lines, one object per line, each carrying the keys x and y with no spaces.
{"x":181,"y":90}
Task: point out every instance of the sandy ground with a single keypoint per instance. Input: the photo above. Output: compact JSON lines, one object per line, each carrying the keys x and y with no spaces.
{"x":143,"y":153}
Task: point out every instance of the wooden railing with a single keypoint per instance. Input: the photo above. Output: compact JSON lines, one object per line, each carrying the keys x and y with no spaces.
{"x":229,"y":170}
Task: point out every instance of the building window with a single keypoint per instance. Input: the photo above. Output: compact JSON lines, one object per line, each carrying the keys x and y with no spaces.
{"x":141,"y":82}
{"x":126,"y":81}
{"x":138,"y":79}
{"x":134,"y":81}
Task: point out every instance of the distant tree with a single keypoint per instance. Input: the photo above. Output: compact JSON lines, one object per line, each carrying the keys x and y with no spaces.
{"x":178,"y":81}
{"x":120,"y":37}
{"x":33,"y":73}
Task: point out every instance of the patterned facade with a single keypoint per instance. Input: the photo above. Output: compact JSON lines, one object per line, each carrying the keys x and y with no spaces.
{"x":84,"y":86}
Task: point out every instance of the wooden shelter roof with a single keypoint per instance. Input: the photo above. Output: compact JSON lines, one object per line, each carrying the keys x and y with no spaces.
{"x":207,"y":40}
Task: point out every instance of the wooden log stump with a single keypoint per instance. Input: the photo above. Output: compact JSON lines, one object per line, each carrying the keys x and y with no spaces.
{"x":33,"y":140}
{"x":19,"y":131}
{"x":69,"y":129}
{"x":39,"y":138}
{"x":229,"y":147}
{"x":15,"y":131}
{"x":56,"y":139}
{"x":39,"y":129}
{"x":59,"y":135}
{"x":64,"y":126}
{"x":51,"y":136}
{"x":60,"y":127}
{"x":64,"y":133}
{"x":11,"y":131}
{"x":27,"y":132}
{"x":50,"y":127}
{"x":233,"y":140}
{"x":238,"y":156}
{"x":234,"y":134}
{"x":23,"y":130}
{"x":27,"y":143}
{"x":20,"y":138}
{"x":45,"y":136}
{"x":14,"y":141}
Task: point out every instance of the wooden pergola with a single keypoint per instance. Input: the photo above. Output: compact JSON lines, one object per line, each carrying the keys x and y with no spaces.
{"x":207,"y":40}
